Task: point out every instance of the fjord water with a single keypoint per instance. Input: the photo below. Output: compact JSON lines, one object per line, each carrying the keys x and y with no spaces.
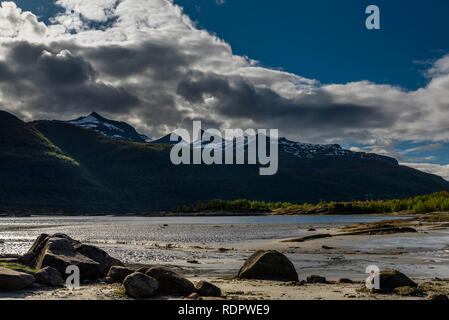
{"x":175,"y":240}
{"x":142,"y":230}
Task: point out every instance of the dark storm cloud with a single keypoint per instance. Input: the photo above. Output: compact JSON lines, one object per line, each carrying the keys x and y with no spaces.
{"x":240,"y":99}
{"x":55,"y":80}
{"x":63,"y":78}
{"x":64,"y":69}
{"x":166,"y":60}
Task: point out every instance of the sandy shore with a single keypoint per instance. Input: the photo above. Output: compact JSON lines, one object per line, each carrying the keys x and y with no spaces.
{"x":339,"y":256}
{"x":237,"y":290}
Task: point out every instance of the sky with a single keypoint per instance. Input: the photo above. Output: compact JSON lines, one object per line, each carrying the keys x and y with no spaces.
{"x":309,"y":68}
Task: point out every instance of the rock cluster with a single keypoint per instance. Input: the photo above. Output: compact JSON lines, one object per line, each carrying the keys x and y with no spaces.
{"x":48,"y":258}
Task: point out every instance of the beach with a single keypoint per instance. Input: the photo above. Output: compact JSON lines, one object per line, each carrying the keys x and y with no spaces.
{"x":214,"y":249}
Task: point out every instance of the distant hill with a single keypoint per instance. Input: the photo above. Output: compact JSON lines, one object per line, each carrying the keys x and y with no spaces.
{"x":62,"y":165}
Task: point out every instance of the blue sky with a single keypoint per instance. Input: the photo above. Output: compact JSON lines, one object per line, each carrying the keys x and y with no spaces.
{"x":328,"y":41}
{"x":320,"y":76}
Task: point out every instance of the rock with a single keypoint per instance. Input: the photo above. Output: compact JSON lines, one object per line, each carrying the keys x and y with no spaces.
{"x":59,"y":253}
{"x":392,"y":279}
{"x":268,"y":265}
{"x":59,"y":250}
{"x":316,"y":279}
{"x":194,"y":296}
{"x":344,"y":280}
{"x":327,"y":248}
{"x":27,"y":271}
{"x":49,"y":276}
{"x":437,"y":297}
{"x":308,"y":238}
{"x":115,"y":263}
{"x":294,"y":283}
{"x":138,"y":285}
{"x":311,"y":230}
{"x":171,"y":282}
{"x":118,"y":274}
{"x":27,"y":259}
{"x":193,"y":261}
{"x":207,"y":289}
{"x":11,"y":280}
{"x":97,"y":255}
{"x":143,"y":269}
{"x":405,"y":291}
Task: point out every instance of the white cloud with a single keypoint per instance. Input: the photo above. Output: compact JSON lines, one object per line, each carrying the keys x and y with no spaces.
{"x":19,"y":25}
{"x":437,"y":169}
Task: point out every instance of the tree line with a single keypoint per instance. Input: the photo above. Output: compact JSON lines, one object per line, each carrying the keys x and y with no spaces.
{"x":434,"y":202}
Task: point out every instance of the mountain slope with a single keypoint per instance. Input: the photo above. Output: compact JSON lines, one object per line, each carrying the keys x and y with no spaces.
{"x":142,"y":178}
{"x":36,"y":173}
{"x":110,"y":128}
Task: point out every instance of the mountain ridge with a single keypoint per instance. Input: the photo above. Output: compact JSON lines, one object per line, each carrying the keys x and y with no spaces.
{"x":91,"y":173}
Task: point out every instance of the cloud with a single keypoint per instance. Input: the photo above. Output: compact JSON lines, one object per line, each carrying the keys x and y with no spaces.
{"x":429,"y":147}
{"x":16,"y":24}
{"x":437,"y":169}
{"x":145,"y":62}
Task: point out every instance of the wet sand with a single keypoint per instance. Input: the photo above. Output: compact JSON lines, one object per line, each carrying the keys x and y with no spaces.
{"x":423,"y":256}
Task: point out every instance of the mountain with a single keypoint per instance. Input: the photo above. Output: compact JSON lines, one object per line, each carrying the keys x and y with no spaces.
{"x":110,"y":128}
{"x":57,"y":164}
{"x":166,"y":139}
{"x":36,"y":173}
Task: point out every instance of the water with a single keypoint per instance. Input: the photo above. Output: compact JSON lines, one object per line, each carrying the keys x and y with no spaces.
{"x":174,"y":240}
{"x":144,"y":230}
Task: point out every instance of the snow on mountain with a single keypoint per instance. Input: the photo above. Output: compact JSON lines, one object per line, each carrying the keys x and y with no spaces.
{"x":110,"y":128}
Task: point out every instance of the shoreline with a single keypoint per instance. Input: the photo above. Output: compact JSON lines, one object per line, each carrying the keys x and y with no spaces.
{"x":339,"y":256}
{"x":203,"y":214}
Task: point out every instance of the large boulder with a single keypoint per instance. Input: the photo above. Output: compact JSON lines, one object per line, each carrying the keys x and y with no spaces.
{"x":59,"y":250}
{"x":207,"y":289}
{"x":171,"y":282}
{"x":11,"y":280}
{"x":97,"y":255}
{"x":59,"y":253}
{"x":118,"y":274}
{"x":392,"y":279}
{"x":138,"y":285}
{"x":268,"y":265}
{"x":50,"y":277}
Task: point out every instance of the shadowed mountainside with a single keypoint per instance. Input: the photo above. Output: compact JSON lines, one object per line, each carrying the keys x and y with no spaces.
{"x":59,"y":165}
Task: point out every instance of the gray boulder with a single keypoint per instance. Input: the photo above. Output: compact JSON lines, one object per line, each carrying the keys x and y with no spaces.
{"x":392,"y":279}
{"x":268,"y":265}
{"x":171,"y":282}
{"x":59,"y":253}
{"x":207,"y":289}
{"x":59,"y":250}
{"x":11,"y":280}
{"x":118,"y":274}
{"x":138,"y":285}
{"x":49,"y":276}
{"x":96,"y":254}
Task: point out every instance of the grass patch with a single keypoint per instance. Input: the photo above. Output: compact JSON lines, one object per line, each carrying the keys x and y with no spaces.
{"x":120,"y":291}
{"x":15,"y":266}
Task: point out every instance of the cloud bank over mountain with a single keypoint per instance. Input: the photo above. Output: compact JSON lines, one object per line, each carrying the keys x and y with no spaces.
{"x":145,"y":62}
